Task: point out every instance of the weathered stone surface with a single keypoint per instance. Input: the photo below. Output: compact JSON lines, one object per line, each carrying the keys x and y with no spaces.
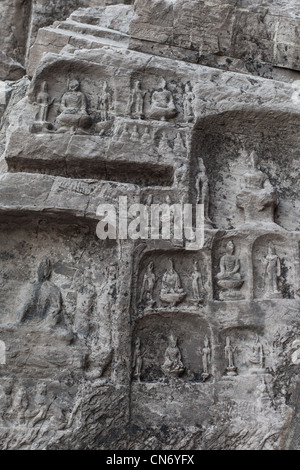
{"x":244,"y":36}
{"x":21,"y":20}
{"x":135,"y":342}
{"x":9,"y":68}
{"x":90,"y":28}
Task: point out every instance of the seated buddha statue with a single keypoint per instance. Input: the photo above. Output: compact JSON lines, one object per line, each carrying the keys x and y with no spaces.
{"x":229,"y":277}
{"x":73,"y":111}
{"x":171,"y":290}
{"x":162,"y":105}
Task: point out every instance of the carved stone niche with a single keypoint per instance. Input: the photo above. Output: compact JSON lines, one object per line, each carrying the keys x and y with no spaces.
{"x":171,"y":348}
{"x":170,"y":280}
{"x":29,"y":403}
{"x":49,"y":300}
{"x":244,"y":351}
{"x":230,"y":268}
{"x":226,"y":141}
{"x":274,"y":267}
{"x":68,"y":99}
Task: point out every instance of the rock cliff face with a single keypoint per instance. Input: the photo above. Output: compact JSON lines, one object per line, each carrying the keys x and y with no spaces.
{"x":113,"y":334}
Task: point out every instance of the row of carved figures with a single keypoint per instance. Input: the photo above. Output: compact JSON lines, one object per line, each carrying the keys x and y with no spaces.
{"x":173,"y":365}
{"x":15,"y":405}
{"x":162,"y":106}
{"x":73,"y":112}
{"x":131,"y":133}
{"x":229,"y":279}
{"x":171,"y":291}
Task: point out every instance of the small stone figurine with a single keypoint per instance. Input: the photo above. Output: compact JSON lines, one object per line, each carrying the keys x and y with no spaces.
{"x":137,"y":361}
{"x":229,"y":277}
{"x":229,"y":355}
{"x":148,"y":285}
{"x":188,"y":103}
{"x":272,"y":273}
{"x":206,"y":359}
{"x":105,"y":103}
{"x":257,"y":357}
{"x":137,"y":101}
{"x":197,"y":284}
{"x":171,"y":290}
{"x":44,"y":101}
{"x":202,"y":191}
{"x":173,"y":366}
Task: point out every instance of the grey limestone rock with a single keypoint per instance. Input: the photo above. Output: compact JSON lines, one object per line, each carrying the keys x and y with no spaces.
{"x":137,"y":342}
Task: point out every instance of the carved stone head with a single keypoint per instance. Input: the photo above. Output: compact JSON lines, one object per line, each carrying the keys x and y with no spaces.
{"x":230,"y":247}
{"x":151,"y":266}
{"x":170,"y":264}
{"x":201,"y":165}
{"x":173,"y":341}
{"x":74,"y":85}
{"x":271,"y":249}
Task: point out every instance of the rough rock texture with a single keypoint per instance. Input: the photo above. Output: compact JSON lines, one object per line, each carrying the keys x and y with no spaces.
{"x":139,"y":343}
{"x":10,"y":69}
{"x":21,"y":20}
{"x":241,"y":35}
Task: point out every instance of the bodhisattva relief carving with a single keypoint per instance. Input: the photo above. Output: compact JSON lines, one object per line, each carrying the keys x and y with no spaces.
{"x":272,"y":273}
{"x":137,"y":363}
{"x":105,"y":103}
{"x":257,"y":357}
{"x":173,"y":366}
{"x":136,"y":105}
{"x":73,"y":115}
{"x":231,"y":369}
{"x":229,"y":277}
{"x":162,"y":104}
{"x":44,"y":102}
{"x":199,"y":291}
{"x":161,"y":289}
{"x":206,"y":359}
{"x":171,"y":291}
{"x":202,"y":191}
{"x":188,"y":103}
{"x":148,"y":285}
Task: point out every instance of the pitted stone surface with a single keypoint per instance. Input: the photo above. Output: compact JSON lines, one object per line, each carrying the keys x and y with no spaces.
{"x":139,"y":343}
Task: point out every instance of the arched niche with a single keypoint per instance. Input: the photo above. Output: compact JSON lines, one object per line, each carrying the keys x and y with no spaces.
{"x":239,"y":290}
{"x":184,"y":266}
{"x":273,"y":259}
{"x":251,"y":352}
{"x":224,"y":142}
{"x":154,"y":332}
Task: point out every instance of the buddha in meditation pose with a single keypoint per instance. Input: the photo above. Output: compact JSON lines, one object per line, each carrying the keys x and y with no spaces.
{"x":73,"y":111}
{"x":162,"y":105}
{"x":229,"y":277}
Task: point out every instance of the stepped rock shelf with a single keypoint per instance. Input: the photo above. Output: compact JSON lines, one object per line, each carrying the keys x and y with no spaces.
{"x":148,"y":344}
